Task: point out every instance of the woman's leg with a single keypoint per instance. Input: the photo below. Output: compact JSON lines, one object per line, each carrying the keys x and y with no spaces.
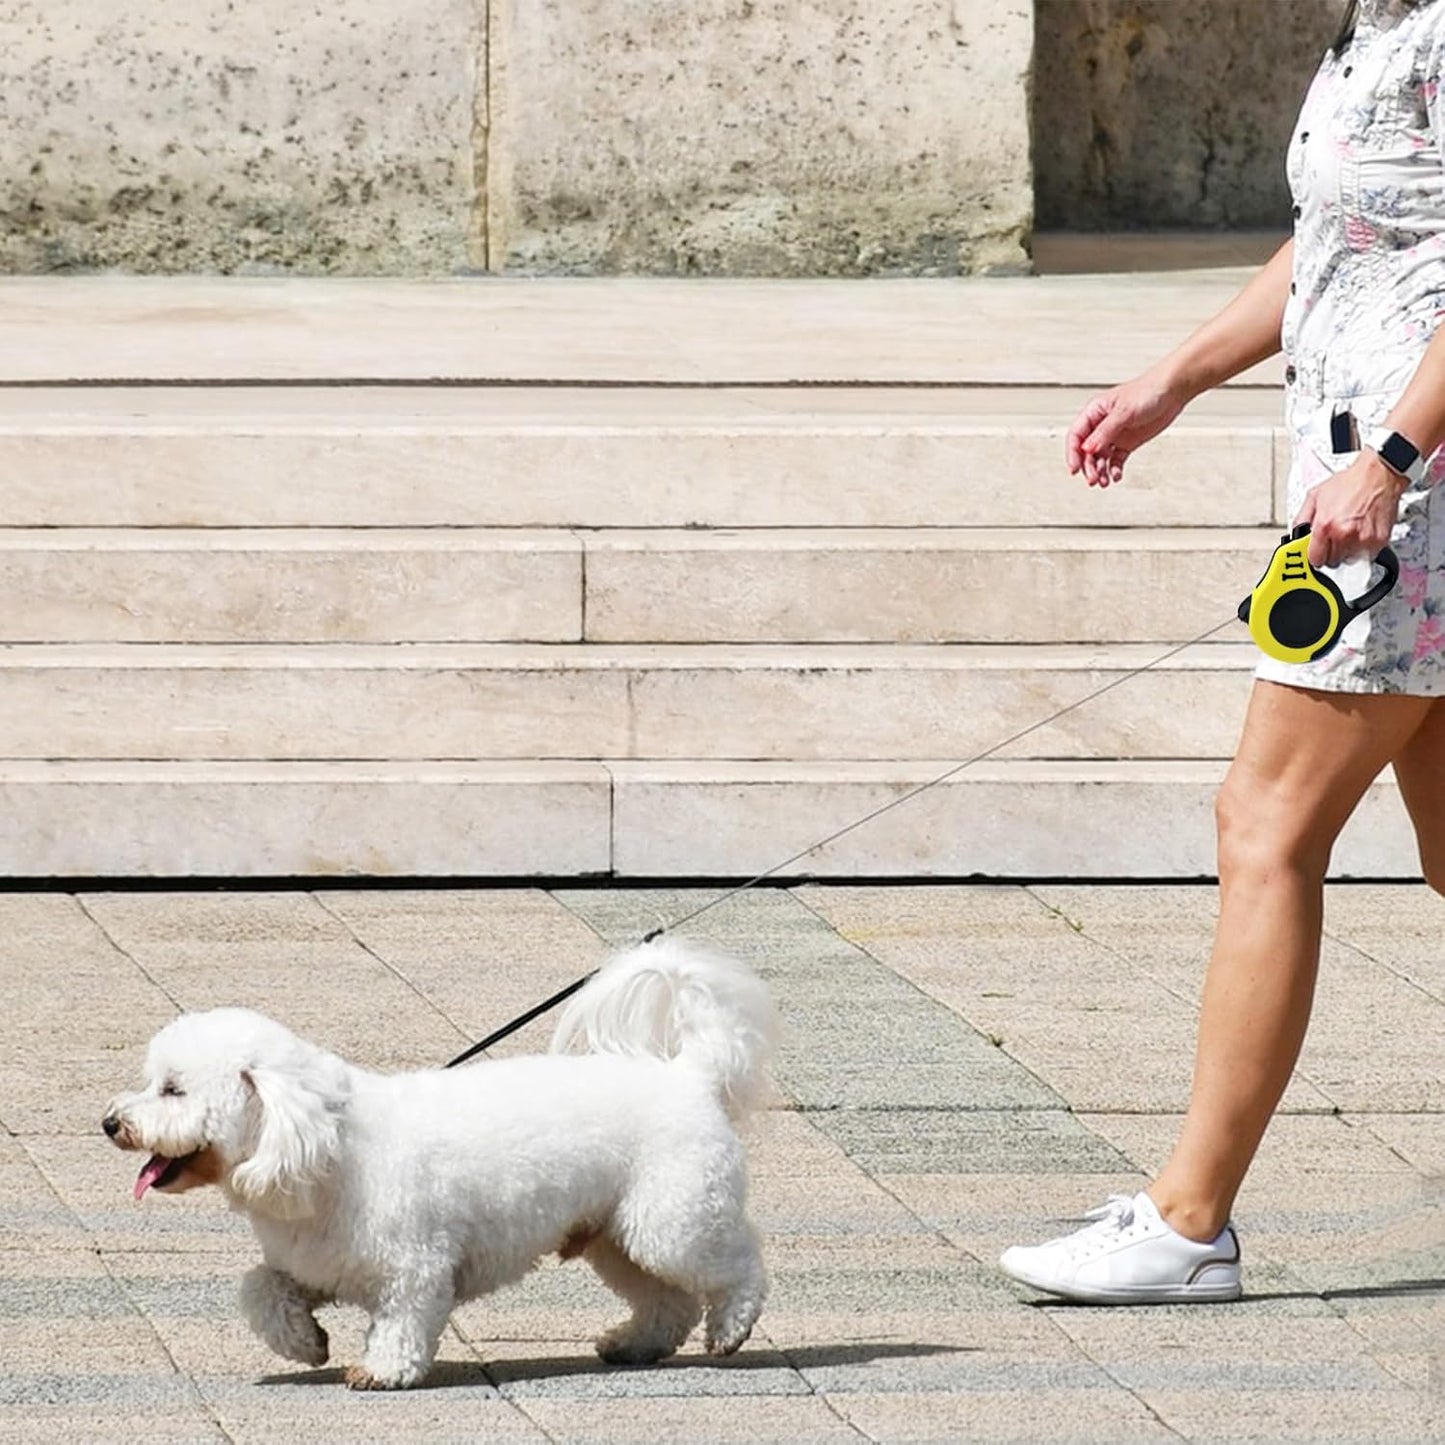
{"x":1304,"y":762}
{"x":1420,"y":770}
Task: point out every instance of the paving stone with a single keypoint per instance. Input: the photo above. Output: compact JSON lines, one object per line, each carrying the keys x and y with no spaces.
{"x":1103,"y":1414}
{"x":454,"y":1408}
{"x":70,"y":1029}
{"x":1399,"y":926}
{"x":1104,"y":1030}
{"x":821,"y":985}
{"x":952,"y":1141}
{"x":1294,"y":1144}
{"x":1375,"y":1039}
{"x":882,"y":1214}
{"x":480,"y":958}
{"x":32,"y":1217}
{"x":1345,"y":1413}
{"x":685,"y":1420}
{"x":1419,"y":1139}
{"x":285,"y":955}
{"x":563,"y":1370}
{"x":40,"y":1425}
{"x":93,"y":1179}
{"x":985,"y":1212}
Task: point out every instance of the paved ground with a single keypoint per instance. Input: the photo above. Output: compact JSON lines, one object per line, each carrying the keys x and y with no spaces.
{"x":961,"y":1064}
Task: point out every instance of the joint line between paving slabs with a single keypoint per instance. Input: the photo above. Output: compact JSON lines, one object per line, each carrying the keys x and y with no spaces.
{"x":1128,"y":1389}
{"x":125,"y":953}
{"x":392,"y":969}
{"x":953,"y":1244}
{"x":1384,"y":963}
{"x":923,"y":993}
{"x":207,"y":1407}
{"x":1193,"y":1003}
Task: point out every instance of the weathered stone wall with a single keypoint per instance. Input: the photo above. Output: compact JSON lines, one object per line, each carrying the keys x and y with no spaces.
{"x":1156,"y":113}
{"x":761,"y":137}
{"x":751,"y":137}
{"x":742,"y":137}
{"x":212,"y":135}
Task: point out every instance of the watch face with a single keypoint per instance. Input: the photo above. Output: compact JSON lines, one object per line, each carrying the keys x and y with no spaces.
{"x":1397,"y":452}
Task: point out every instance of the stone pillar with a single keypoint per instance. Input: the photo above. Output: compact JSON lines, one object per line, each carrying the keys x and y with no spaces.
{"x":759,"y":137}
{"x":1156,"y":113}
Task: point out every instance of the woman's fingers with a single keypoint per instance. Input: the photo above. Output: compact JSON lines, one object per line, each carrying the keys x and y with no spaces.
{"x":1104,"y":469}
{"x":1078,"y":444}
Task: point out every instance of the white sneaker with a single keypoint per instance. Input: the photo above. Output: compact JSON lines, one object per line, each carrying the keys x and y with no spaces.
{"x":1129,"y":1255}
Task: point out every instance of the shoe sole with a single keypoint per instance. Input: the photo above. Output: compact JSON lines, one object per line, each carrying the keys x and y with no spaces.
{"x":1180,"y":1294}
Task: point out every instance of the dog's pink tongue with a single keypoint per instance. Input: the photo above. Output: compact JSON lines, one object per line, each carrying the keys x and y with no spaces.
{"x":152,"y":1170}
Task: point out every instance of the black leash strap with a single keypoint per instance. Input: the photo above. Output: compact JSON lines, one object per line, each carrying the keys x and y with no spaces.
{"x":561,"y":996}
{"x":521,"y":1021}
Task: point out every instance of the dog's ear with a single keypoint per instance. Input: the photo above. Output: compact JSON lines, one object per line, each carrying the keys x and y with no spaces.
{"x":296,"y":1135}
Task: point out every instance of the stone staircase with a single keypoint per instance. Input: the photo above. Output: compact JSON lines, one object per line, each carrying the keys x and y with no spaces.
{"x":645,"y":579}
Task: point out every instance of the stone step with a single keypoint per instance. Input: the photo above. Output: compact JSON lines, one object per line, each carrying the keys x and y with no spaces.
{"x":981,"y":585}
{"x":597,"y":702}
{"x":611,"y":457}
{"x":289,"y":585}
{"x":480,"y":585}
{"x":634,"y":821}
{"x":997,"y":819}
{"x":1025,"y":331}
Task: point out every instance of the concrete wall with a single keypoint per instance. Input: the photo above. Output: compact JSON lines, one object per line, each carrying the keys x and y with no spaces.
{"x":1170,"y":112}
{"x":752,"y":137}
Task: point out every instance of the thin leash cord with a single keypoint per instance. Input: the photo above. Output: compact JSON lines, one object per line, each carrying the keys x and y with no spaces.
{"x":906,"y":797}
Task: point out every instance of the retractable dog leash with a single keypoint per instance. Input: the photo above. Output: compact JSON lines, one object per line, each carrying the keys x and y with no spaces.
{"x":1294,"y":614}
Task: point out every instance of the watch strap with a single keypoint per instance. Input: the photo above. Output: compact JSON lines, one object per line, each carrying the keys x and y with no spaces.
{"x":1397,"y":452}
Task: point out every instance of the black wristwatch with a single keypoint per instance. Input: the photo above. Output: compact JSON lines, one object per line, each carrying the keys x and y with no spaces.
{"x":1398,"y":453}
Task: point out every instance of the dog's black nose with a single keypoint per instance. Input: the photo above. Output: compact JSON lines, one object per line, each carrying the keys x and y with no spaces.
{"x":111,"y":1125}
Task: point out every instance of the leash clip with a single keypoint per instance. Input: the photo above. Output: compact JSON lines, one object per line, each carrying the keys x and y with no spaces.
{"x":1296,"y":614}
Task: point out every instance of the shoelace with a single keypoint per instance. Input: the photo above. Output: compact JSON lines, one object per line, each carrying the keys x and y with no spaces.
{"x":1102,"y":1225}
{"x":1116,"y":1212}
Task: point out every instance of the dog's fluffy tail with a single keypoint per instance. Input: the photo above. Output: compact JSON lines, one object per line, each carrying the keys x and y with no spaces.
{"x":673,"y":999}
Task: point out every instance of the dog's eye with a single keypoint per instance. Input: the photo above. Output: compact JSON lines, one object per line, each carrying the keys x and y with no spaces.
{"x":172,"y":1090}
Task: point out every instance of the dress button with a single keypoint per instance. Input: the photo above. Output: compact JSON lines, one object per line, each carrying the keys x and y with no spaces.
{"x":1298,"y":212}
{"x":1304,"y":136}
{"x":1349,"y":71}
{"x":1290,"y":376}
{"x":1293,"y":289}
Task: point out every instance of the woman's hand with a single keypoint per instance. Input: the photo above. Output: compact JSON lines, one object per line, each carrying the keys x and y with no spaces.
{"x":1352,"y":513}
{"x":1115,"y":425}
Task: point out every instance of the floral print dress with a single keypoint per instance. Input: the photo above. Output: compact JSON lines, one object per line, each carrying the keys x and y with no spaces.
{"x":1367,"y":173}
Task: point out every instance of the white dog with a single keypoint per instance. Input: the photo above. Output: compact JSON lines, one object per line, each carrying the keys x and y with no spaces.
{"x":408,"y":1193}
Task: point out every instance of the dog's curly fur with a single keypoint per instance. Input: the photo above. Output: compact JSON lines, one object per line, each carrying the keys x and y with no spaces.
{"x":408,"y":1193}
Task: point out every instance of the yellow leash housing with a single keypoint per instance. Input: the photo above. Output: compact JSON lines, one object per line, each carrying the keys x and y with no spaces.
{"x":1296,"y":614}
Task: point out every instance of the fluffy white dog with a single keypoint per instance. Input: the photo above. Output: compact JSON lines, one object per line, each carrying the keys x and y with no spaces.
{"x":408,"y":1193}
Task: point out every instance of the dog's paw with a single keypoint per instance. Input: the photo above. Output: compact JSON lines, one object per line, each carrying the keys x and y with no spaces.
{"x":280,"y":1312}
{"x":622,"y":1346}
{"x":358,"y":1377}
{"x":313,"y":1348}
{"x":729,"y":1325}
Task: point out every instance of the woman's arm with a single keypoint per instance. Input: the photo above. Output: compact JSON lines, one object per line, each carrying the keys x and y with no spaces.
{"x":1355,"y":510}
{"x":1119,"y":422}
{"x":1245,"y":333}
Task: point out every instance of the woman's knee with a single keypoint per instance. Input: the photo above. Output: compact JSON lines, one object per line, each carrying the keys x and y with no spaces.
{"x":1262,"y":830}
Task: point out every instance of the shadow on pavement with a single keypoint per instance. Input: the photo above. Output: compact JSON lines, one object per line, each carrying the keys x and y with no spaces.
{"x":1392,"y":1289}
{"x":453,"y":1374}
